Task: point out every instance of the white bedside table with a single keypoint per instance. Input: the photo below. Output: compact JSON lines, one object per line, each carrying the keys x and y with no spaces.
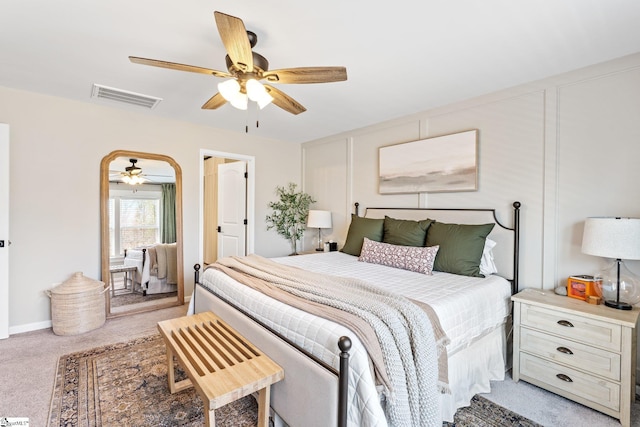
{"x":584,"y":352}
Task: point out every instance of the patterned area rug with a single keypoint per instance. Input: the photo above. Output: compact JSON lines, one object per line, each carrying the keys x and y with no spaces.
{"x":484,"y":413}
{"x":125,"y":384}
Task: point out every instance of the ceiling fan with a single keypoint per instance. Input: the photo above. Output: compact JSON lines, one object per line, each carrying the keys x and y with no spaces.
{"x":133,"y":175}
{"x":246,"y":68}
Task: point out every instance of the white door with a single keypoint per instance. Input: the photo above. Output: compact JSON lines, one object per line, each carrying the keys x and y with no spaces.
{"x":232,"y":209}
{"x":4,"y":230}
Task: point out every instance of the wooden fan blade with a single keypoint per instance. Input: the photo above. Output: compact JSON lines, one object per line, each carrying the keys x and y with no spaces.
{"x":179,"y":67}
{"x":216,"y":101}
{"x":307,"y":75}
{"x":235,"y":40}
{"x":284,"y":101}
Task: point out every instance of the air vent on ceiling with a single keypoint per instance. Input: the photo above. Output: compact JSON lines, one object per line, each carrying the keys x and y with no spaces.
{"x":119,"y":95}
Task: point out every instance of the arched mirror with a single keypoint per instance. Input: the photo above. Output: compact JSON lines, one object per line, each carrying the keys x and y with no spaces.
{"x":141,"y":232}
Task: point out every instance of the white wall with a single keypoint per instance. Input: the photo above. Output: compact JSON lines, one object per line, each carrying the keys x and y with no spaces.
{"x":567,"y":147}
{"x":56,"y":149}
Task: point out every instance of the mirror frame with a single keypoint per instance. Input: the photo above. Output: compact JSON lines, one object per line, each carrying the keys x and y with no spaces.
{"x":104,"y":226}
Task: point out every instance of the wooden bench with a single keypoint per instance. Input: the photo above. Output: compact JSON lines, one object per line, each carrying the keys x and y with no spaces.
{"x":129,"y":274}
{"x":221,"y":364}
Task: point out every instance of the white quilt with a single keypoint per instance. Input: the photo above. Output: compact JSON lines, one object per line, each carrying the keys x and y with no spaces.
{"x":467,"y":308}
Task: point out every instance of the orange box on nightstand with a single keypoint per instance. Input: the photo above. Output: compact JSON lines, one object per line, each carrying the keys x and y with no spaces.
{"x":582,"y":286}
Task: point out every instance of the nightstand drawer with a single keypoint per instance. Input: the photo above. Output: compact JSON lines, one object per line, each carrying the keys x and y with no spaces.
{"x":570,"y":353}
{"x":575,"y":327}
{"x":568,"y":380}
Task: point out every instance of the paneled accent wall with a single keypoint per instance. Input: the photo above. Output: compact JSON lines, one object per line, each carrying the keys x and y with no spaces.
{"x":567,"y":147}
{"x":564,"y":146}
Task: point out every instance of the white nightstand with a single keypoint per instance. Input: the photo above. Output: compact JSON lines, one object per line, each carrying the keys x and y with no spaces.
{"x":584,"y":352}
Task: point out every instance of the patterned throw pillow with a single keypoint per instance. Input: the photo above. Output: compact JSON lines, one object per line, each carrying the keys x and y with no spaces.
{"x":412,"y":258}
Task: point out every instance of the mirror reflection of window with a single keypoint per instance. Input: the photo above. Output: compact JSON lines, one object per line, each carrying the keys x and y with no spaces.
{"x":134,"y":218}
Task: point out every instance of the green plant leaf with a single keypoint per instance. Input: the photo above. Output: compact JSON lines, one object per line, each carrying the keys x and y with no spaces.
{"x":290,"y":213}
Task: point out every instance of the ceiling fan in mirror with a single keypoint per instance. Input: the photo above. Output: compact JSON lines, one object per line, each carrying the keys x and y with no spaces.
{"x":247,"y":68}
{"x":133,"y":175}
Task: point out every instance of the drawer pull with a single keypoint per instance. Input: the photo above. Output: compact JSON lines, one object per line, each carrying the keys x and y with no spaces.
{"x":564,"y":377}
{"x":565,"y":323}
{"x":564,"y":350}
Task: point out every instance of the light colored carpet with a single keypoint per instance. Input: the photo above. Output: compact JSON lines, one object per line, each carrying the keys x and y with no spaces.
{"x":550,"y":409}
{"x":28,"y":369}
{"x":28,"y":361}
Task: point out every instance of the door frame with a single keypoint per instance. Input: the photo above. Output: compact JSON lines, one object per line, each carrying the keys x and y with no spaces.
{"x":4,"y":230}
{"x":251,"y":192}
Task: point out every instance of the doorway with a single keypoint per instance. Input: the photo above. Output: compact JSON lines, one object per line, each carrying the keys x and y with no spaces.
{"x":227,"y":194}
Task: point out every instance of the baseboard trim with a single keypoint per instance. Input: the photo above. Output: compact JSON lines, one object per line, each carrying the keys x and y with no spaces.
{"x":29,"y":327}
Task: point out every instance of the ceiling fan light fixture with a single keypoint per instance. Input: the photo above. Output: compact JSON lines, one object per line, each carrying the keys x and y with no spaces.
{"x":258,"y":93}
{"x":240,"y":101}
{"x":232,"y":92}
{"x":264,"y":101}
{"x":229,"y":89}
{"x":132,"y":179}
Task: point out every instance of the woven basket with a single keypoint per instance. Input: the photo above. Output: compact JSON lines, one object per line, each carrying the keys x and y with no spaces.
{"x":77,"y":305}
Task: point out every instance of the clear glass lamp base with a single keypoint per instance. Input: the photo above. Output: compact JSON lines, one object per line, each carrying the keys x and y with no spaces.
{"x":320,"y":246}
{"x":620,"y":287}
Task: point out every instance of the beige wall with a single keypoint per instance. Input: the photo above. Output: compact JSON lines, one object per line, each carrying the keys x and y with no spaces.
{"x":566,"y":147}
{"x":56,"y":149}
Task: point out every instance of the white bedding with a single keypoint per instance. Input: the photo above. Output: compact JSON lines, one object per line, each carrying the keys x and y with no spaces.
{"x":467,"y":308}
{"x":145,"y":280}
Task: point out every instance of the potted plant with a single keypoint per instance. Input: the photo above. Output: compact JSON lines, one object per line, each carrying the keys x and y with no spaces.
{"x":289,"y":215}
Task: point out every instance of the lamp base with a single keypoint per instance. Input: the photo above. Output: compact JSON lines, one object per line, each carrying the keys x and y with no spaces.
{"x":620,"y":305}
{"x":320,"y":249}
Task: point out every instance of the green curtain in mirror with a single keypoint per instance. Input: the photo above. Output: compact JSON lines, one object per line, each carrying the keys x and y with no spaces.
{"x":168,"y":213}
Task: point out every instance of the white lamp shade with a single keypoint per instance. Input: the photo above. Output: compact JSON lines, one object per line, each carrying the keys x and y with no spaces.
{"x":258,"y":93}
{"x":319,"y":219}
{"x":240,"y":101}
{"x":229,"y":89}
{"x":612,"y":237}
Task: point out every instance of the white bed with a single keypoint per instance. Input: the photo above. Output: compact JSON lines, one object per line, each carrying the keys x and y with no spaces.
{"x":156,"y":268}
{"x":474,"y":313}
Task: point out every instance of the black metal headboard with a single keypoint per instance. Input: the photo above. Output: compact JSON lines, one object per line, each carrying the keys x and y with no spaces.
{"x":506,"y":252}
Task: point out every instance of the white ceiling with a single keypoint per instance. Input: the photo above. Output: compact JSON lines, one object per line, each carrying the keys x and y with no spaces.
{"x":402,"y":57}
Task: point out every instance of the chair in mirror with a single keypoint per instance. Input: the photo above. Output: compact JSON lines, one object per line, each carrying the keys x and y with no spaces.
{"x":141,"y":232}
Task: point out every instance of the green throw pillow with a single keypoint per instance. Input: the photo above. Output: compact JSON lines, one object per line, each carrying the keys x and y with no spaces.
{"x":405,"y":232}
{"x":371,"y":228}
{"x":461,"y":247}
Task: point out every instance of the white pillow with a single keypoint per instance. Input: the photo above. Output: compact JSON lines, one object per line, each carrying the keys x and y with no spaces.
{"x":487,"y":265}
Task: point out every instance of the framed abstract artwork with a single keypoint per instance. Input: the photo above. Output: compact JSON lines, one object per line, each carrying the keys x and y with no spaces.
{"x":434,"y":165}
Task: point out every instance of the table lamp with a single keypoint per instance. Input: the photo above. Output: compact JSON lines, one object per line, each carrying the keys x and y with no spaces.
{"x":319,"y":219}
{"x":617,"y":238}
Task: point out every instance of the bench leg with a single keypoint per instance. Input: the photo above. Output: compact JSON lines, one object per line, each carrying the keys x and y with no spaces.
{"x":209,"y":416}
{"x":171,"y":375}
{"x":264,"y":396}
